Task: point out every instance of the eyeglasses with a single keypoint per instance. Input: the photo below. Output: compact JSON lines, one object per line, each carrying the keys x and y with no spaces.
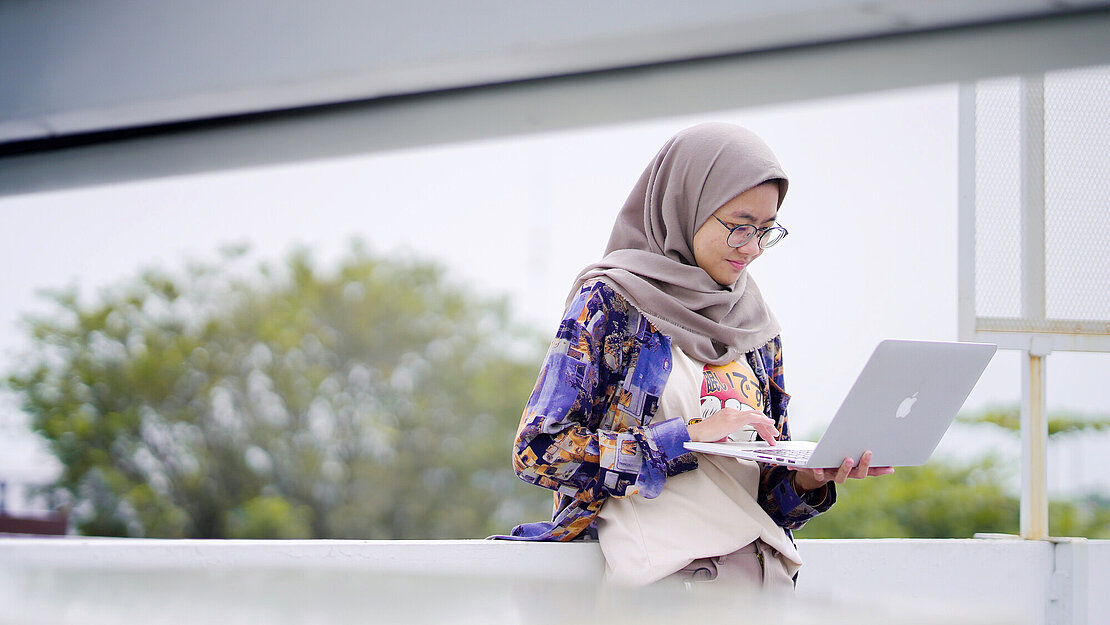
{"x":738,"y":236}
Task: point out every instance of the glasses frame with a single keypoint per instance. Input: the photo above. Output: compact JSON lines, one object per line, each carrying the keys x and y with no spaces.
{"x":757,"y":233}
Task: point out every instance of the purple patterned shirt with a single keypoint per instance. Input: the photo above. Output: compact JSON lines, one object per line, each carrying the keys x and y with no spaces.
{"x":588,"y":432}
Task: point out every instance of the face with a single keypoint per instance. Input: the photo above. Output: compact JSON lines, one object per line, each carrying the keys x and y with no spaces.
{"x":757,"y":206}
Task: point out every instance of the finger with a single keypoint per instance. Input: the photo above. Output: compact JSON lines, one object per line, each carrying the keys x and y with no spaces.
{"x":860,"y":471}
{"x":753,"y":417}
{"x":875,"y":471}
{"x":843,"y":471}
{"x":766,"y":431}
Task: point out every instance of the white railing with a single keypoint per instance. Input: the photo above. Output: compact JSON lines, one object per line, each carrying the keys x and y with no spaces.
{"x":976,"y":581}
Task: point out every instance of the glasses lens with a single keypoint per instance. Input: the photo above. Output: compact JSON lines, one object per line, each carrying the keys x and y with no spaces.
{"x":741,"y":235}
{"x":772,"y":236}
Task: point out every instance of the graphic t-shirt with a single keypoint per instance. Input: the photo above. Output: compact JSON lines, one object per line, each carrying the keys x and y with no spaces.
{"x":710,"y":511}
{"x":730,"y":386}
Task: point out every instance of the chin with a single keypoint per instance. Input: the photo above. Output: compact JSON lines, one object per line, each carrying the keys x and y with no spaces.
{"x":729,"y":283}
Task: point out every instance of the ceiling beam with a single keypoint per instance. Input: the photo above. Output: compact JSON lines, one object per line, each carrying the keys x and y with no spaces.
{"x":697,"y":86}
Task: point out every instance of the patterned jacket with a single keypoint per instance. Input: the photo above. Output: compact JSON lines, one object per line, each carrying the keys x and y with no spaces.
{"x":588,"y":433}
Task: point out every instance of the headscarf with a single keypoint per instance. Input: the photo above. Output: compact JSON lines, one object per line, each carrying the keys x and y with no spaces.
{"x":650,"y":260}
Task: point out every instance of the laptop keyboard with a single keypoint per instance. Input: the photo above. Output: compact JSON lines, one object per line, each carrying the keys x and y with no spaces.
{"x":793,"y":454}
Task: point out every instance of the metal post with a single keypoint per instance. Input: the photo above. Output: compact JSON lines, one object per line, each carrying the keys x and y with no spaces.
{"x":965,"y":246}
{"x":1034,"y":450}
{"x":1034,"y":424}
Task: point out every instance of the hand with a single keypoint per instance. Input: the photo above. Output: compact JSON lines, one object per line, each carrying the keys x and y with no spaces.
{"x":810,"y":479}
{"x":725,"y":421}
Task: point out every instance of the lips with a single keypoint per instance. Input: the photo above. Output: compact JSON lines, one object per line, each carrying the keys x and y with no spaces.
{"x":738,"y":265}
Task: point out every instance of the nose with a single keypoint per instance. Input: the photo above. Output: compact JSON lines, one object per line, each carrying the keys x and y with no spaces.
{"x":751,"y":248}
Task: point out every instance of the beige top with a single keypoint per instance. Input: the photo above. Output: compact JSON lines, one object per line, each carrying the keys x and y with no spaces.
{"x":710,"y":511}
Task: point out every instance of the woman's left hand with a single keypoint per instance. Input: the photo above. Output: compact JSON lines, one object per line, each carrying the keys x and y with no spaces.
{"x":810,"y":479}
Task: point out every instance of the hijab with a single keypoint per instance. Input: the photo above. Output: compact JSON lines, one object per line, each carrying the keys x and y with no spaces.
{"x":649,"y":258}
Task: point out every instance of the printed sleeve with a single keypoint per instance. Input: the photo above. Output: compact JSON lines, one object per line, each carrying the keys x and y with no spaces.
{"x":561,"y":445}
{"x":784,"y":505}
{"x":777,"y":495}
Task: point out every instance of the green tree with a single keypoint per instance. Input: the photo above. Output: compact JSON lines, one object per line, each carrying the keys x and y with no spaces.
{"x":376,"y":401}
{"x":1060,"y":424}
{"x":943,"y":499}
{"x":937,"y":500}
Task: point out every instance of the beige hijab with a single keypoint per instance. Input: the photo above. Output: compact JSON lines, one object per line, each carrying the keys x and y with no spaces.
{"x":650,"y":260}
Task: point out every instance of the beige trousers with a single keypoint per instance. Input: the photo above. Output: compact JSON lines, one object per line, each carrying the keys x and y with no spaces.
{"x":754,"y":567}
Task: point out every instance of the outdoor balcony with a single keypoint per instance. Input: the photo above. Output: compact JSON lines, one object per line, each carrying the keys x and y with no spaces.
{"x":990,"y":580}
{"x":113,"y":92}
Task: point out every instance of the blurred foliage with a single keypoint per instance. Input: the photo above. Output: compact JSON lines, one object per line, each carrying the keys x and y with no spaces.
{"x":943,"y":499}
{"x":378,"y":401}
{"x":375,"y":401}
{"x":269,"y":517}
{"x":936,"y":500}
{"x":1059,"y":423}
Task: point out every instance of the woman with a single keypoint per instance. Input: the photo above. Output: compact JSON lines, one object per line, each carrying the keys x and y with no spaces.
{"x":666,"y":326}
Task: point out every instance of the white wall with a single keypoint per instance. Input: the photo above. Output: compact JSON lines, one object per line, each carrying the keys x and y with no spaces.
{"x":844,"y":581}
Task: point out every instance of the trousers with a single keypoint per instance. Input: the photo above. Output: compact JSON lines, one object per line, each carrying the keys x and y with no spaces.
{"x":753,"y":567}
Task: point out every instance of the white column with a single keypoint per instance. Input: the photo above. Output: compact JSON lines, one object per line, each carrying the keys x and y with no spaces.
{"x":1034,"y":423}
{"x":965,"y":245}
{"x":1034,"y":449}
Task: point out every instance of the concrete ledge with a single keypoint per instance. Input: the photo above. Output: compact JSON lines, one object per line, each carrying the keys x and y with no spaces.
{"x":972,"y":581}
{"x":489,"y":558}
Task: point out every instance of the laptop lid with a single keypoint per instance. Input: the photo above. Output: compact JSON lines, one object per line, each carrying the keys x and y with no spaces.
{"x":902,"y":402}
{"x":899,"y":407}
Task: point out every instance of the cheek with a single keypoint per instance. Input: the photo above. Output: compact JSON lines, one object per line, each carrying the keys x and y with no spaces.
{"x":702,"y":247}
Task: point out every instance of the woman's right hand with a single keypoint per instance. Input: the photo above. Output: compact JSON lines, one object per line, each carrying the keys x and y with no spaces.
{"x":717,"y":426}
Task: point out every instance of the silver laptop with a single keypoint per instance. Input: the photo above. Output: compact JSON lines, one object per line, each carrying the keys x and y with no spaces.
{"x":899,"y":407}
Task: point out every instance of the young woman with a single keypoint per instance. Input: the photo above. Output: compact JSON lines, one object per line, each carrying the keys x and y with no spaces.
{"x":667,"y":340}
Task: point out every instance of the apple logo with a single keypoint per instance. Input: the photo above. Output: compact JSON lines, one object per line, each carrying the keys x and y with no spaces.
{"x":905,"y":407}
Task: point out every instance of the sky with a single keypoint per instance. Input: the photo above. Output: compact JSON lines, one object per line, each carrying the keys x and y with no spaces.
{"x":871,"y":253}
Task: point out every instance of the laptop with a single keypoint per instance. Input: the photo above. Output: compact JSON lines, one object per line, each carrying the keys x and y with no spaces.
{"x":900,"y":406}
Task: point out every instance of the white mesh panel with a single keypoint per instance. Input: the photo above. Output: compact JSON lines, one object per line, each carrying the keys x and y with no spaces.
{"x":1076,"y":199}
{"x":997,"y":199}
{"x":1077,"y":195}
